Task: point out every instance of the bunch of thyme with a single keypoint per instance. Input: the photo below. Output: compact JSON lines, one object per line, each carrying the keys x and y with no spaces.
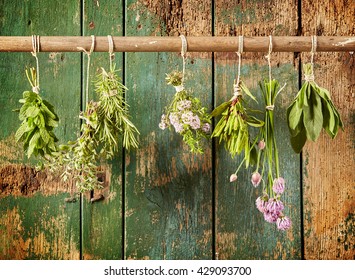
{"x":186,"y":114}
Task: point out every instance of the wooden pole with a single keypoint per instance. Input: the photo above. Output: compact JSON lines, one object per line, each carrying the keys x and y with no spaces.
{"x":173,"y":44}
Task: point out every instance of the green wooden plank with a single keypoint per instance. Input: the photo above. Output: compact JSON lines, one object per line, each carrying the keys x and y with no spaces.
{"x":102,"y":220}
{"x":168,"y":192}
{"x":36,"y":223}
{"x":241,"y":232}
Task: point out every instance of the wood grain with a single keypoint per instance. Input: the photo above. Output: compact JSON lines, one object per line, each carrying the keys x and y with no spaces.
{"x":102,"y":220}
{"x":35,"y":220}
{"x":241,"y":232}
{"x":168,"y":212}
{"x":329,"y":190}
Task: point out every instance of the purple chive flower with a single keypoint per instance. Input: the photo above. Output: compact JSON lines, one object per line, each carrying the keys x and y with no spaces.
{"x":163,"y":122}
{"x":275,"y":205}
{"x":261,"y":203}
{"x":283,"y":222}
{"x":256,"y":179}
{"x":183,"y":104}
{"x":279,"y":185}
{"x":233,"y":178}
{"x":178,"y":127}
{"x":271,"y":217}
{"x":174,"y":119}
{"x":206,"y":127}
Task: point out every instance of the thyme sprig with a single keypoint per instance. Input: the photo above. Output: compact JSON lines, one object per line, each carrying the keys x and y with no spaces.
{"x":186,"y":114}
{"x":103,"y":123}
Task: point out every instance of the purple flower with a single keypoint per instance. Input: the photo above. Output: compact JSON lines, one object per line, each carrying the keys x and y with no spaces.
{"x":178,"y":127}
{"x":187,"y":117}
{"x":283,"y":222}
{"x":271,"y":217}
{"x":174,"y":119}
{"x":183,"y":104}
{"x":206,"y":127}
{"x":256,"y":179}
{"x":275,"y":205}
{"x":233,"y":178}
{"x":261,"y":203}
{"x":279,"y":185}
{"x":195,"y":122}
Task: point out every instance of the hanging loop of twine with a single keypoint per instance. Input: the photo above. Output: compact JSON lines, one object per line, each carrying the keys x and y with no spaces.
{"x":237,"y":90}
{"x":88,"y":53}
{"x":183,"y":55}
{"x":36,"y":49}
{"x":310,"y":78}
{"x":110,"y":49}
{"x":268,"y":56}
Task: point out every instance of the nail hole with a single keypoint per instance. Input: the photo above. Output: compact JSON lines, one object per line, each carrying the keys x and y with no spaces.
{"x":29,"y":22}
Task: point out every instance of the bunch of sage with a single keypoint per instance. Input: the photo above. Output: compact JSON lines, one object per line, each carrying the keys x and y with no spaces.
{"x":186,"y":114}
{"x":311,"y":110}
{"x":38,"y":121}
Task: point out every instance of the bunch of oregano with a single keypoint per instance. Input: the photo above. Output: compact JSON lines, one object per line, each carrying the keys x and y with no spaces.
{"x":38,"y":121}
{"x":103,"y":122}
{"x":311,"y":110}
{"x":186,"y":114}
{"x":233,"y":127}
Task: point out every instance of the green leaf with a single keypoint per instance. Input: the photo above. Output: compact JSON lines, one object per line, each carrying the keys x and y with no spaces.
{"x":33,"y":143}
{"x":294,"y":113}
{"x":252,"y":121}
{"x":221,"y":108}
{"x":313,"y":117}
{"x":247,"y":91}
{"x":298,"y":141}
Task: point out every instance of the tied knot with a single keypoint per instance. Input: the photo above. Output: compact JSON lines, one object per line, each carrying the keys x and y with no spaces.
{"x":237,"y":91}
{"x":179,"y":88}
{"x":309,"y":78}
{"x":35,"y":89}
{"x":270,"y":107}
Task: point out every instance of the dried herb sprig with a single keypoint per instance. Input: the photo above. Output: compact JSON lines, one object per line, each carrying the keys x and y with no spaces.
{"x":311,"y":110}
{"x":103,"y":122}
{"x":113,"y":113}
{"x":186,"y":114}
{"x":38,"y":121}
{"x":233,"y":127}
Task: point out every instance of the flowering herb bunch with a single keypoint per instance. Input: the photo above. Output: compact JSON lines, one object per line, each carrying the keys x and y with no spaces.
{"x":311,"y":110}
{"x":186,"y":115}
{"x":269,"y":203}
{"x":103,"y":122}
{"x":38,"y":121}
{"x":233,"y":126}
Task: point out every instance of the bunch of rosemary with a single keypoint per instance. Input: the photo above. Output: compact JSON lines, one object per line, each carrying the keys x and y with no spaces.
{"x":186,"y":114}
{"x":311,"y":110}
{"x":103,"y":122}
{"x":38,"y":121}
{"x":233,"y":127}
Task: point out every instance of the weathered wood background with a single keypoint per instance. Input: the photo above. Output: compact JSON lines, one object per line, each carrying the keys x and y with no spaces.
{"x":161,"y":202}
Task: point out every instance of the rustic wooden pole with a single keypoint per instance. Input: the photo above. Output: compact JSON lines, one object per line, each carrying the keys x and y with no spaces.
{"x":173,"y":44}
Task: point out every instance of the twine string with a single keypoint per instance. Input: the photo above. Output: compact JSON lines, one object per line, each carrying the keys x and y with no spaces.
{"x":36,"y":48}
{"x":269,"y":107}
{"x":239,"y":53}
{"x":110,"y":50}
{"x":313,"y":51}
{"x":183,"y":55}
{"x":88,"y":53}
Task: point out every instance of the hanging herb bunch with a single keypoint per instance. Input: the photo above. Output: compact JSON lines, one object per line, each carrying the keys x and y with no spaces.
{"x":311,"y":110}
{"x":38,"y":121}
{"x":186,"y":114}
{"x":236,"y":120}
{"x":104,"y":122}
{"x":273,"y":186}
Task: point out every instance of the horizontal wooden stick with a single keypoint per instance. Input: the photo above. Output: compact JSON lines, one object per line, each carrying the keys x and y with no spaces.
{"x":173,"y":44}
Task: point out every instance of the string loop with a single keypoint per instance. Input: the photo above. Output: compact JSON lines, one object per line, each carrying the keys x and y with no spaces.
{"x":183,"y":55}
{"x":110,"y":50}
{"x":36,"y":49}
{"x":313,"y":50}
{"x":237,"y":91}
{"x":88,"y":53}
